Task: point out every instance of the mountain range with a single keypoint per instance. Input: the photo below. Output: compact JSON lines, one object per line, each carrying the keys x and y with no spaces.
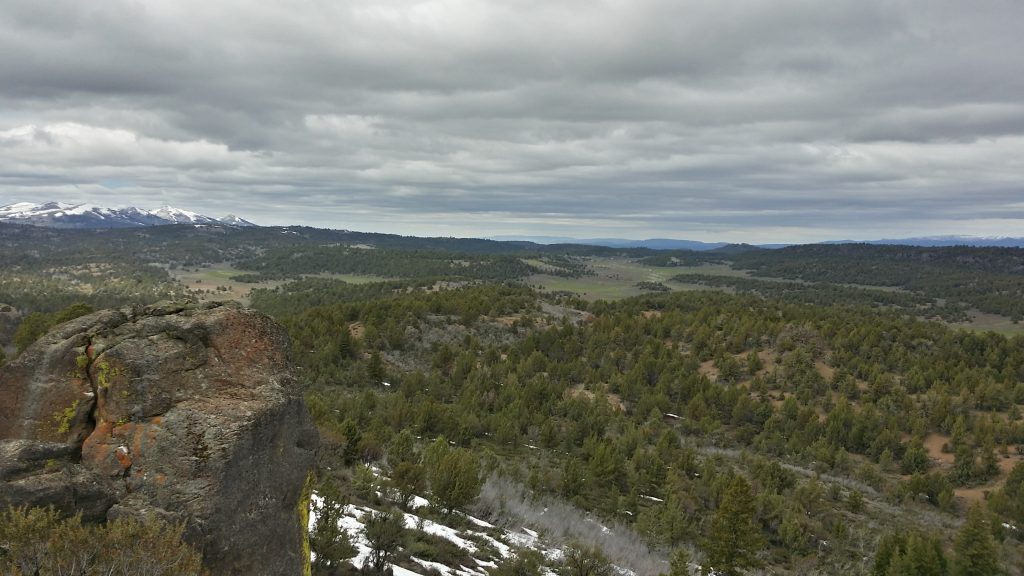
{"x":91,"y":216}
{"x":63,"y":215}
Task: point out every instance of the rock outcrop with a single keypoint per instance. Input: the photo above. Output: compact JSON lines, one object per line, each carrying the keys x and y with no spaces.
{"x":187,"y":412}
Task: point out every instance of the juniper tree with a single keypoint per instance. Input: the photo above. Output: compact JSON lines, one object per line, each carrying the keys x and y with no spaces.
{"x":453,"y":473}
{"x":734,"y":540}
{"x":975,"y":548}
{"x":385,"y":532}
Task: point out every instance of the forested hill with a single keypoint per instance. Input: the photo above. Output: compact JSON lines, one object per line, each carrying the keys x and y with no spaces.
{"x":797,"y":410}
{"x":989,"y":279}
{"x":214,"y":242}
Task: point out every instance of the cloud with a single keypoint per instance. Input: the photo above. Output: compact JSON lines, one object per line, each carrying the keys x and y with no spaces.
{"x":735,"y":120}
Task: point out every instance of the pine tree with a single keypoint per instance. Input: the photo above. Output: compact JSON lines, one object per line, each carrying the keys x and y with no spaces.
{"x":454,"y":475}
{"x":733,"y":541}
{"x":344,"y":346}
{"x":375,"y":368}
{"x":385,"y":532}
{"x":890,"y":548}
{"x":988,"y":467}
{"x":328,"y":540}
{"x":1010,"y":500}
{"x":963,"y":464}
{"x":754,"y":363}
{"x":974,"y":547}
{"x":353,"y":435}
{"x":922,"y":556}
{"x":402,"y":448}
{"x":679,"y":565}
{"x":915,"y":458}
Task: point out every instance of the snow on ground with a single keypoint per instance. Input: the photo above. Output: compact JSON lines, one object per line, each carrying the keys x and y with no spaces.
{"x":447,"y":570}
{"x":478,"y":521}
{"x":350,"y":522}
{"x":503,"y":549}
{"x":503,"y":541}
{"x":525,"y":539}
{"x":431,"y":527}
{"x":399,"y":571}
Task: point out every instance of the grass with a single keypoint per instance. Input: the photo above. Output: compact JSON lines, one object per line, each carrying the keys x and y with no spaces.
{"x":209,"y":277}
{"x":982,"y":322}
{"x":352,"y":278}
{"x":616,"y":278}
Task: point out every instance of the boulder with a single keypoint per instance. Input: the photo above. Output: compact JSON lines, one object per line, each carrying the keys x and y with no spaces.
{"x":189,"y":412}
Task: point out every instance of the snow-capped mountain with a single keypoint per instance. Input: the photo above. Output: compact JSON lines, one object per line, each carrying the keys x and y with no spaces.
{"x":179,"y":216}
{"x":232,"y":220}
{"x":63,"y":215}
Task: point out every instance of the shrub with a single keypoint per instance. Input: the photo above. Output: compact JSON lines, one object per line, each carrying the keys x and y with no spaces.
{"x":38,"y":542}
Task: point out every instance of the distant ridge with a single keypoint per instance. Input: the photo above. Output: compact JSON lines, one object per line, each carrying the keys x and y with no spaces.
{"x":940,"y":241}
{"x":725,"y":247}
{"x":738,"y":249}
{"x":652,"y":243}
{"x":91,"y":216}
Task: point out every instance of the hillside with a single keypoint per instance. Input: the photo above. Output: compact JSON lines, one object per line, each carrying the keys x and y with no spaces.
{"x":818,"y":404}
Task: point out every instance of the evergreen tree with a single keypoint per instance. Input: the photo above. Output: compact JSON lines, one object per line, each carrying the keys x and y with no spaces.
{"x":975,"y":549}
{"x":679,"y":565}
{"x":330,"y":543}
{"x":344,"y":346}
{"x":402,"y":448}
{"x":733,"y":541}
{"x":385,"y":532}
{"x":581,"y":561}
{"x":988,"y":466}
{"x":454,"y":475}
{"x":754,"y":363}
{"x":915,"y":458}
{"x":375,"y":368}
{"x":890,"y":548}
{"x":352,"y":435}
{"x":1010,"y":500}
{"x":37,"y":323}
{"x":408,"y":478}
{"x":922,"y":556}
{"x":963,"y":464}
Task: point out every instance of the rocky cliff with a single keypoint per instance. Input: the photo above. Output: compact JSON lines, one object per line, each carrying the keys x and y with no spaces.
{"x":188,"y":412}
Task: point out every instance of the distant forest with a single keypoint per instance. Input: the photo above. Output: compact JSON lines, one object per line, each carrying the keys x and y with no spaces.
{"x":820,"y":409}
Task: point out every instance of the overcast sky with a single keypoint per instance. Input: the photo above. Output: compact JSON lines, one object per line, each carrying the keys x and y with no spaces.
{"x":734,"y":120}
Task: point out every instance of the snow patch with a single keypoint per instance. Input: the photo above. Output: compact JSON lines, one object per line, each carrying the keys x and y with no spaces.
{"x":431,"y":527}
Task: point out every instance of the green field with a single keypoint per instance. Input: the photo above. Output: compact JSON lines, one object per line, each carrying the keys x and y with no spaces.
{"x":616,"y":278}
{"x":991,"y":323}
{"x":207,"y":278}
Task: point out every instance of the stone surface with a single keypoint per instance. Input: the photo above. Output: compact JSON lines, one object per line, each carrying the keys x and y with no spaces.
{"x":186,"y":412}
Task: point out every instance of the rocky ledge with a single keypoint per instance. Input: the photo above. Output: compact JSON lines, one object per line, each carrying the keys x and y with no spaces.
{"x":188,"y":412}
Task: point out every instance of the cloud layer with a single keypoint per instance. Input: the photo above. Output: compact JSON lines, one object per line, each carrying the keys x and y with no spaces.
{"x":737,"y":120}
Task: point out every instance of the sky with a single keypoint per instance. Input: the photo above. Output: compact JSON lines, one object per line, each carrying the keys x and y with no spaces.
{"x":715,"y":120}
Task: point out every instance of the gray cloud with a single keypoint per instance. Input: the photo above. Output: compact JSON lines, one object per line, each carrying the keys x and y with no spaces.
{"x":739,"y":119}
